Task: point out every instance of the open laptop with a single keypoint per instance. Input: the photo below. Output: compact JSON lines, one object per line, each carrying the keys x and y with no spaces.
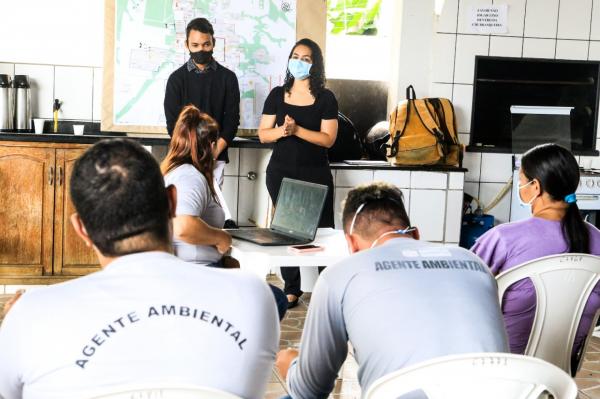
{"x":297,"y":213}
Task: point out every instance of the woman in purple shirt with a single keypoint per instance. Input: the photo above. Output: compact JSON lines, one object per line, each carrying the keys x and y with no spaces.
{"x":548,"y":178}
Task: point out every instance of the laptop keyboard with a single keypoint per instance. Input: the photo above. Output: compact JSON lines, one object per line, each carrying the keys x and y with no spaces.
{"x":267,"y":236}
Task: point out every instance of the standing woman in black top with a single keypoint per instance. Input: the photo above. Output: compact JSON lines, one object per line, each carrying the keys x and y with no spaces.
{"x":300,"y":117}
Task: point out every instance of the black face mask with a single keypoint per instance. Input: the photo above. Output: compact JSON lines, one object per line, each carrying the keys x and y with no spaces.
{"x":201,"y":57}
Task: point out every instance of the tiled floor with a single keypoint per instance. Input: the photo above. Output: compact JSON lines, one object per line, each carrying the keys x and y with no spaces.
{"x":346,"y":387}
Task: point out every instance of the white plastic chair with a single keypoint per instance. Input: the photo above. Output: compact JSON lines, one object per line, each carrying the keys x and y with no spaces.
{"x":476,"y":376}
{"x":166,"y":392}
{"x":563,"y":283}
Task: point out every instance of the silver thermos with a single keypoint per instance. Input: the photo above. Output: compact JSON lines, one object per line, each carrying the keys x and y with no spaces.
{"x":7,"y":104}
{"x":22,"y":103}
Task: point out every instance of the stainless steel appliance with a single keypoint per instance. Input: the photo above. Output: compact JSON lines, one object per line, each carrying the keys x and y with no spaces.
{"x":7,"y":104}
{"x":22,"y":103}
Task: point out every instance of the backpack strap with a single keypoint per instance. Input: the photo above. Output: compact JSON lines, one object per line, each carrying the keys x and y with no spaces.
{"x":427,"y":118}
{"x":410,"y":93}
{"x":394,"y":146}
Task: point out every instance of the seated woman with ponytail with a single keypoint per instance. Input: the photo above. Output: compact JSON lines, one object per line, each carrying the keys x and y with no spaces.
{"x":548,"y":178}
{"x":198,"y":236}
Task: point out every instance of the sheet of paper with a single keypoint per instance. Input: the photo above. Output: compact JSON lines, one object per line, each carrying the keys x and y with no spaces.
{"x":488,"y":19}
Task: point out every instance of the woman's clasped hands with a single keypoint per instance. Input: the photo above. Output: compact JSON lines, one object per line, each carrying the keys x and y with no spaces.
{"x":289,"y":126}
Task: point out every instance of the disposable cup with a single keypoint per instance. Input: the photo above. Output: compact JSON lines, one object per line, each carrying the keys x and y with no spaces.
{"x":38,"y":125}
{"x":78,"y":129}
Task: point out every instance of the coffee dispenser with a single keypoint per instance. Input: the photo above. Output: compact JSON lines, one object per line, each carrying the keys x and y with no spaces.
{"x":7,"y":104}
{"x":22,"y":103}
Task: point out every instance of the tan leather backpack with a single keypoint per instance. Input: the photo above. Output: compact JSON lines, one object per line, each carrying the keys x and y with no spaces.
{"x":423,"y":132}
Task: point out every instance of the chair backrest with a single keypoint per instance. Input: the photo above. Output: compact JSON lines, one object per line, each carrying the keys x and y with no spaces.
{"x":166,"y":392}
{"x":477,"y":375}
{"x":563,"y":284}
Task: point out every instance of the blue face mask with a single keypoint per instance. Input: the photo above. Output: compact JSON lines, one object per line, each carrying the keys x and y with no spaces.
{"x":299,"y":69}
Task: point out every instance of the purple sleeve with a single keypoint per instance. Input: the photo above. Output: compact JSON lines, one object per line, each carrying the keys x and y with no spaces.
{"x":492,"y":250}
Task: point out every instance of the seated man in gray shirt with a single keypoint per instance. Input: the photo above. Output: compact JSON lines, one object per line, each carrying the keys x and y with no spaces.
{"x":398,"y":300}
{"x":147,"y":318}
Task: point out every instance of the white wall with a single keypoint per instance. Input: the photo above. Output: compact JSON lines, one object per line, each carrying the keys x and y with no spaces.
{"x":60,"y":32}
{"x":411,"y":49}
{"x":60,"y":45}
{"x":79,"y":88}
{"x":537,"y":29}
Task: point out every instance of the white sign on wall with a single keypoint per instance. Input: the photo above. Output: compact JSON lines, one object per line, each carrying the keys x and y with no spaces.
{"x":488,"y":19}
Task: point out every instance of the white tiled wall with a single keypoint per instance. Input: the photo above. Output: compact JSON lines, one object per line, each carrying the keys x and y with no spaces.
{"x":352,"y":177}
{"x":574,"y":19}
{"x":74,"y":87}
{"x":467,"y":47}
{"x":42,"y":87}
{"x":79,"y":88}
{"x":233,"y":167}
{"x":7,"y":69}
{"x":506,"y":46}
{"x":429,"y":180}
{"x":433,"y":200}
{"x":539,"y":48}
{"x":230,"y":193}
{"x":595,"y":29}
{"x":565,"y":29}
{"x":462,"y":99}
{"x":427,"y":214}
{"x":247,"y":198}
{"x":541,"y":18}
{"x":97,"y":95}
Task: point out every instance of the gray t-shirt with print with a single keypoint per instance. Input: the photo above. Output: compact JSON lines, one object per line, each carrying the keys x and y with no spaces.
{"x":194,"y":198}
{"x":400,"y":303}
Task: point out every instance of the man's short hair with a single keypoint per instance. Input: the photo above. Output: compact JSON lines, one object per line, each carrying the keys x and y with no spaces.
{"x":201,"y":25}
{"x":120,"y":196}
{"x":383,"y":205}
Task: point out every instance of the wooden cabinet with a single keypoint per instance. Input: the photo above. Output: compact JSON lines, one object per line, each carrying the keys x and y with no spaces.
{"x":38,"y":239}
{"x":26,"y":210}
{"x":71,"y":255}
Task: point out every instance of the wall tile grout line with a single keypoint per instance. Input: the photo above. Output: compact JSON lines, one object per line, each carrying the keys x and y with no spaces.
{"x":523,"y":36}
{"x":93,"y":80}
{"x":519,"y":37}
{"x":557,"y":22}
{"x":455,"y":46}
{"x":590,"y":31}
{"x":53,"y":87}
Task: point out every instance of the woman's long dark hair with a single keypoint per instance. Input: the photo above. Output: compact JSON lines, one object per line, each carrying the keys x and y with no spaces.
{"x":191,"y":143}
{"x":317,"y":71}
{"x":558,"y":174}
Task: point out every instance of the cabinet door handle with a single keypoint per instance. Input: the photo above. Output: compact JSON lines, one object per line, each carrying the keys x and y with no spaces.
{"x":51,"y":175}
{"x":251,"y":175}
{"x":59,"y":179}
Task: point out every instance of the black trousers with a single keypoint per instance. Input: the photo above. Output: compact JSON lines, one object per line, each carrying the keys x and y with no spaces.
{"x":320,"y":175}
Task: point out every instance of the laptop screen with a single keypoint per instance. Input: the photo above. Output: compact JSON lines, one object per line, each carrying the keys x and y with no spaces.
{"x":298,"y":208}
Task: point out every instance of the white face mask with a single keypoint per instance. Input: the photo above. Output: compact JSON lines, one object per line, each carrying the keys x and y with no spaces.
{"x":400,"y":231}
{"x":527,"y":204}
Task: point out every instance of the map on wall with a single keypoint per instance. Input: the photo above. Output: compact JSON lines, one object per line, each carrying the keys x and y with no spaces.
{"x":253,"y":38}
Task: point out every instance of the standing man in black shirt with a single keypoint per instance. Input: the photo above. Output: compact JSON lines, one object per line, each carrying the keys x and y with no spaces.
{"x":208,"y":85}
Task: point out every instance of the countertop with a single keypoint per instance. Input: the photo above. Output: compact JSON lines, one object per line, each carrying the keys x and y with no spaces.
{"x":238,"y":142}
{"x":91,"y":138}
{"x":387,"y":166}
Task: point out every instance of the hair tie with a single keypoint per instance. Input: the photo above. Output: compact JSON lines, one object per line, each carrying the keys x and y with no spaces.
{"x":571,"y":198}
